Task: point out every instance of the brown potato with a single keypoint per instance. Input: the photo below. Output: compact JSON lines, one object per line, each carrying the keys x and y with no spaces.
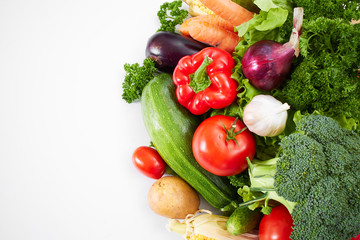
{"x":172,"y":197}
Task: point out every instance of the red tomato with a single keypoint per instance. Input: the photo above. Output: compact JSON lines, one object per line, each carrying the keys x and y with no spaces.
{"x":356,"y":238}
{"x":220,"y":147}
{"x":277,"y":225}
{"x":149,"y":162}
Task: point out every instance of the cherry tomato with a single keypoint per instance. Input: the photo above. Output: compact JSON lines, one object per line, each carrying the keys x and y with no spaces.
{"x":149,"y":162}
{"x":277,"y":225}
{"x":221,"y":145}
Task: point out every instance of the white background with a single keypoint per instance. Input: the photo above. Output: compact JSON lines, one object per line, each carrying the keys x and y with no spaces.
{"x":66,"y":136}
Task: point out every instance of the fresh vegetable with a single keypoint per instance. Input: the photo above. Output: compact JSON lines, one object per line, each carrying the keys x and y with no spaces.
{"x":242,"y":220}
{"x":229,"y":10}
{"x":248,"y":4}
{"x":205,"y":225}
{"x":266,"y":25}
{"x":316,"y":176}
{"x":196,"y":8}
{"x":265,"y":115}
{"x":136,"y":79}
{"x":213,"y":35}
{"x":277,"y":225}
{"x":326,"y":79}
{"x":171,"y":128}
{"x":172,"y":197}
{"x":246,"y":92}
{"x":211,"y":19}
{"x":167,"y":48}
{"x":240,"y":180}
{"x":221,"y":145}
{"x":267,"y":63}
{"x":356,"y":238}
{"x":148,"y":161}
{"x":170,"y":15}
{"x":266,"y":147}
{"x":211,"y":29}
{"x":332,"y":9}
{"x":204,"y":80}
{"x":312,"y":168}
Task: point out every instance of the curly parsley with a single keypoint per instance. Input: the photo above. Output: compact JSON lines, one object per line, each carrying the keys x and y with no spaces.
{"x":326,"y":78}
{"x":136,"y":78}
{"x":170,"y":15}
{"x":345,"y":9}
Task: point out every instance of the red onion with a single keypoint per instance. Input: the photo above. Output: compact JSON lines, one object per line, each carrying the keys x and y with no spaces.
{"x":267,"y":63}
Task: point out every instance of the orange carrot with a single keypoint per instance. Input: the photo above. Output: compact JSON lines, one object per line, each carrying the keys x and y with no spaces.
{"x":229,"y":11}
{"x":212,"y":19}
{"x":213,"y":35}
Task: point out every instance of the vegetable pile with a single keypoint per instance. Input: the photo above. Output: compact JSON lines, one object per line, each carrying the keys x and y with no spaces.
{"x":316,"y":177}
{"x":263,"y":128}
{"x":327,"y":78}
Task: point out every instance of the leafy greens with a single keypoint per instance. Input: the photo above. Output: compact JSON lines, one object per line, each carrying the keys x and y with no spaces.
{"x":327,"y":78}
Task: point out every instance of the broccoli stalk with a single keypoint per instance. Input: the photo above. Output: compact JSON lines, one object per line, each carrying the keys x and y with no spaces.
{"x":262,"y":192}
{"x":316,"y":175}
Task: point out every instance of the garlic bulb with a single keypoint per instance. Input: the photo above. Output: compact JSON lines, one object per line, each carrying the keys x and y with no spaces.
{"x":265,"y":115}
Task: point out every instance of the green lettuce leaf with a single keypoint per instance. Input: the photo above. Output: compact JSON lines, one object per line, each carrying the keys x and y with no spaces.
{"x":267,"y":4}
{"x":263,"y":26}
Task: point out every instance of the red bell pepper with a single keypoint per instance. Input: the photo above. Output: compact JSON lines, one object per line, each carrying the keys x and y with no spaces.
{"x":204,"y":80}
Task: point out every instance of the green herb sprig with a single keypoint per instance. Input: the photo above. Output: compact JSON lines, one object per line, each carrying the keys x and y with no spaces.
{"x":170,"y":15}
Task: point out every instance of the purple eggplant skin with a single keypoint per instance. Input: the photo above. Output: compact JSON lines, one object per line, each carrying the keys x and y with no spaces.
{"x":167,"y":48}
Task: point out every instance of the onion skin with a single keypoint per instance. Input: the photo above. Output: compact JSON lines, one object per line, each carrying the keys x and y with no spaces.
{"x":267,"y":63}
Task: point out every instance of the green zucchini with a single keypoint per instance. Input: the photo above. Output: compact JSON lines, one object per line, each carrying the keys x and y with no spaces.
{"x":171,"y":128}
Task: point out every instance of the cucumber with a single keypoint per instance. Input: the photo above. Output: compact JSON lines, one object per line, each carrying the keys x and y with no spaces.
{"x":243,"y":220}
{"x":171,"y":128}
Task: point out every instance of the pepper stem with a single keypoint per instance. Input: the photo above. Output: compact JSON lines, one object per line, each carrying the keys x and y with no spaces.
{"x":200,"y":80}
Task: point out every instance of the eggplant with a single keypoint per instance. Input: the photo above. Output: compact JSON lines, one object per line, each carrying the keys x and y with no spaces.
{"x":167,"y":48}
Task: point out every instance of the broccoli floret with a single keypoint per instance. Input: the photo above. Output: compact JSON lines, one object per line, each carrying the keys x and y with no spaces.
{"x":317,"y":177}
{"x":301,"y":157}
{"x":316,"y":130}
{"x":240,"y":180}
{"x":323,"y":208}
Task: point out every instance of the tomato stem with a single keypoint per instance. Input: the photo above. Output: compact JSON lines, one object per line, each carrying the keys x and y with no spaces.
{"x":231,"y":134}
